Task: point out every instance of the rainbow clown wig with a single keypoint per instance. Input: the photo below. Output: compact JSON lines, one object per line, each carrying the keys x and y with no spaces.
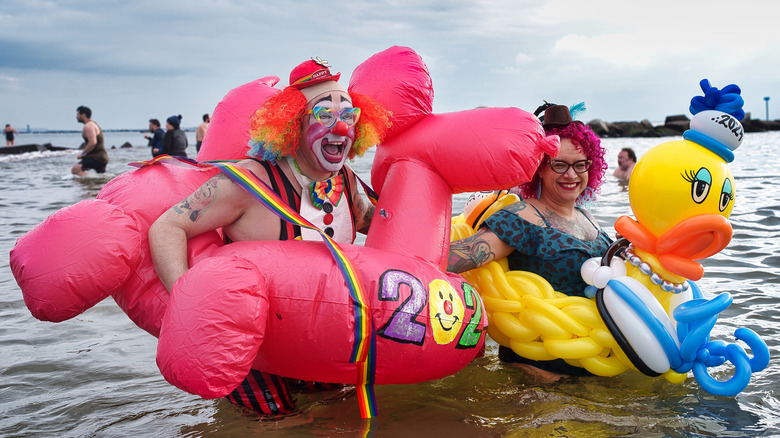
{"x":275,"y":128}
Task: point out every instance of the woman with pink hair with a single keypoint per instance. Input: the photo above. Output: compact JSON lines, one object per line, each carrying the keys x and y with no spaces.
{"x":548,"y":232}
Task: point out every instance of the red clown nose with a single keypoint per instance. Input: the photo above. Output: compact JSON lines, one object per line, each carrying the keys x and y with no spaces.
{"x":341,"y":128}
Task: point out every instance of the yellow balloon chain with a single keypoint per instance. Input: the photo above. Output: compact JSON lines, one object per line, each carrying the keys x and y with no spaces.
{"x":539,"y":323}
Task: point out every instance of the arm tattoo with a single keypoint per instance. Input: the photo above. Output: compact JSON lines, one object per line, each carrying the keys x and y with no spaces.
{"x":365,"y":213}
{"x":469,"y":253}
{"x":197,"y":203}
{"x":516,"y":207}
{"x":369,"y":214}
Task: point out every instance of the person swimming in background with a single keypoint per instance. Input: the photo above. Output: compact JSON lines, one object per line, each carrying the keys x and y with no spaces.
{"x":626,"y":160}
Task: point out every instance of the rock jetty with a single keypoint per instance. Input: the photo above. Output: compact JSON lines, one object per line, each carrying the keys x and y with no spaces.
{"x":673,"y":125}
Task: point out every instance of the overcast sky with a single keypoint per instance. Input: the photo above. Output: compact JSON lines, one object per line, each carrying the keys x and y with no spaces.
{"x":133,"y":60}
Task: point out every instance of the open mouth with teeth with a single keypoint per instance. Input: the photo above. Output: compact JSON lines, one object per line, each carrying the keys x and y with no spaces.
{"x":573,"y":185}
{"x":333,"y":151}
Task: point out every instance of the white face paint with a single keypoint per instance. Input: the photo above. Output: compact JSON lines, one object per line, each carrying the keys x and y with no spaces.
{"x":320,"y":147}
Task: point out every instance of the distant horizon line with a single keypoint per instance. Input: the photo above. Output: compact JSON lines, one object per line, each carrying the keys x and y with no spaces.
{"x":78,"y":131}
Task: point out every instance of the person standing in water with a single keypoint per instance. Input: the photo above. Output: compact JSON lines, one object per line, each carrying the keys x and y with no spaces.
{"x":156,"y":139}
{"x":93,"y":155}
{"x":549,"y":232}
{"x":201,"y":132}
{"x":10,"y":132}
{"x":175,"y":140}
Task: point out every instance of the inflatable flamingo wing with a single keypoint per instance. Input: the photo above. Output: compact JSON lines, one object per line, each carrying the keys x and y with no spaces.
{"x":98,"y":248}
{"x":75,"y":259}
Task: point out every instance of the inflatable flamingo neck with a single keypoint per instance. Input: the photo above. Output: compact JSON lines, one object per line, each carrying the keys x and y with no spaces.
{"x":413,"y":214}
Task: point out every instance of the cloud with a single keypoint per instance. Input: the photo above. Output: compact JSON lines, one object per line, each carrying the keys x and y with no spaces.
{"x":9,"y":83}
{"x":523,"y":59}
{"x":131,"y":60}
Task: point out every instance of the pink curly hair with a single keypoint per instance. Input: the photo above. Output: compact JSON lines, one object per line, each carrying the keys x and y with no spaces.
{"x":276,"y":126}
{"x":585,"y":140}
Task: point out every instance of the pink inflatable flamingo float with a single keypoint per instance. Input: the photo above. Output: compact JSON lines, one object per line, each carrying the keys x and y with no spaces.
{"x":283,"y":307}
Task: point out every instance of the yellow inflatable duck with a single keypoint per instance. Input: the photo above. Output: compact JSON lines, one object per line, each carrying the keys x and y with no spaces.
{"x":645,"y":312}
{"x":682,"y":195}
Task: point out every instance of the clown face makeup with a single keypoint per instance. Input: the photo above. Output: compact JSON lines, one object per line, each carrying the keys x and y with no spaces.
{"x":324,"y":148}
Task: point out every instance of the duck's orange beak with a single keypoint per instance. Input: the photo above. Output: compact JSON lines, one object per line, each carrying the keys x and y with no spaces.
{"x":695,"y":238}
{"x":677,"y":250}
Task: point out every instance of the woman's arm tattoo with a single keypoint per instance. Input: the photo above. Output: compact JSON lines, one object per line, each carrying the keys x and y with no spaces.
{"x":516,"y":207}
{"x":197,"y":203}
{"x":469,"y":253}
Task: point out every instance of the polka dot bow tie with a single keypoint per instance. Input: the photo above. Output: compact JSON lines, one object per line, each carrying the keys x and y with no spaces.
{"x":328,"y":191}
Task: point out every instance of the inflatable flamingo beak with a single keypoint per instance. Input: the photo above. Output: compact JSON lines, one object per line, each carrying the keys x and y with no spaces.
{"x":340,"y":128}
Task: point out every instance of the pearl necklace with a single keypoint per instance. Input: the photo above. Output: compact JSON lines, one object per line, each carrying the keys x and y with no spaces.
{"x":655,"y":278}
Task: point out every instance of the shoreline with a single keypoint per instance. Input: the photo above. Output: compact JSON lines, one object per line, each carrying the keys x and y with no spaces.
{"x":673,"y":125}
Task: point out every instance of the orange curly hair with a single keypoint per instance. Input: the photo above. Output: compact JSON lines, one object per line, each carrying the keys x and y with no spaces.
{"x":275,"y":128}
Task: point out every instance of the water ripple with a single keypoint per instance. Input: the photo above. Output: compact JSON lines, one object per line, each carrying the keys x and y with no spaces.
{"x":95,"y":375}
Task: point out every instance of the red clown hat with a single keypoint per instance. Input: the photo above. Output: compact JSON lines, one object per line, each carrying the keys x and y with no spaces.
{"x":311,"y":72}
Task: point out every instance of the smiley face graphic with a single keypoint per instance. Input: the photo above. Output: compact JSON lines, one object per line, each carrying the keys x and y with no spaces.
{"x":446,"y":311}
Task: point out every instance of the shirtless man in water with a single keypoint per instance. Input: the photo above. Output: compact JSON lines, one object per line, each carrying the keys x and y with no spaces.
{"x":93,"y":155}
{"x":322,"y":118}
{"x":626,"y":161}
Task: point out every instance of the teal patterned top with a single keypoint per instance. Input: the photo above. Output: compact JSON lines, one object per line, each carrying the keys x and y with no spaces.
{"x":553,"y":254}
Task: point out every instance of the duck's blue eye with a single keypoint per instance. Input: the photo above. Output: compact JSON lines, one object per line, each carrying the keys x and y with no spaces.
{"x":700,"y":184}
{"x":726,"y":195}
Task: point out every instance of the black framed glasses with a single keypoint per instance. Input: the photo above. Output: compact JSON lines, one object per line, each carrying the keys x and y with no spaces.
{"x":561,"y":167}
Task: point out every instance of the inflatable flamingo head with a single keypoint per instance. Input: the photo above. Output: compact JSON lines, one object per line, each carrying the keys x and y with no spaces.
{"x":461,"y":146}
{"x":399,"y":79}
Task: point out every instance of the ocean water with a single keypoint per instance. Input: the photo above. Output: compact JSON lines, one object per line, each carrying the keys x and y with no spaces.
{"x":95,"y":375}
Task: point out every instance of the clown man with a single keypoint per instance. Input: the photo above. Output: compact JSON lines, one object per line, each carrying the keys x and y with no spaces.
{"x":301,"y":139}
